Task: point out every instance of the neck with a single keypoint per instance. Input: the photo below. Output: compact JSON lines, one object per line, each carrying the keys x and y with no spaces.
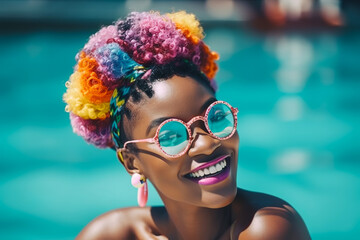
{"x":193,"y":222}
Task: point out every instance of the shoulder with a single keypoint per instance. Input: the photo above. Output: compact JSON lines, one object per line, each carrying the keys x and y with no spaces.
{"x":126,"y":223}
{"x":269,"y":217}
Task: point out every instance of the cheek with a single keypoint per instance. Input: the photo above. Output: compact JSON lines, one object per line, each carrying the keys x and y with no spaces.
{"x":233,"y":142}
{"x":158,"y":171}
{"x":165,"y":179}
{"x":164,"y":175}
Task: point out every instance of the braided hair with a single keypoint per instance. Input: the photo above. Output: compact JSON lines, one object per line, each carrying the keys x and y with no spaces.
{"x":123,"y":60}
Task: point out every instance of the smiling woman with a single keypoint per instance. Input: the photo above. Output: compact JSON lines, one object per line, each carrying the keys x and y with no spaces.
{"x":145,"y":87}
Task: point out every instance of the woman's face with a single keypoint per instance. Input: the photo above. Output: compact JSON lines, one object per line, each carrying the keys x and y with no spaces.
{"x":183,"y":98}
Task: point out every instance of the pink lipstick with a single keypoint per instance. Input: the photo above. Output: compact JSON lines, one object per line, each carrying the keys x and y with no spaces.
{"x":212,"y":172}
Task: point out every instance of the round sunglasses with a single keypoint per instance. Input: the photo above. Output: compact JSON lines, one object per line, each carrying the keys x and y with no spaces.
{"x":174,"y":136}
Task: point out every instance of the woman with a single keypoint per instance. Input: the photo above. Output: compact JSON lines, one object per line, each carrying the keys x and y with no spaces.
{"x":145,"y":87}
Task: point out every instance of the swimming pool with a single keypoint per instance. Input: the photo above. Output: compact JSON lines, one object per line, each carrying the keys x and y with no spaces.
{"x":298,"y":100}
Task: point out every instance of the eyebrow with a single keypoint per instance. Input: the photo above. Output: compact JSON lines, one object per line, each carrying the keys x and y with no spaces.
{"x":158,"y":121}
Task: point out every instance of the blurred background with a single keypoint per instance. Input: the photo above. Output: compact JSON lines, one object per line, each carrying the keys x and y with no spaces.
{"x":291,"y":67}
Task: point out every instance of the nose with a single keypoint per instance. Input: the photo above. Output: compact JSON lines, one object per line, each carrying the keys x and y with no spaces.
{"x":203,"y":143}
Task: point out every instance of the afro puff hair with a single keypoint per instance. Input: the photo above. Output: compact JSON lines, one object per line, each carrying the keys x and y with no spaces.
{"x":117,"y":55}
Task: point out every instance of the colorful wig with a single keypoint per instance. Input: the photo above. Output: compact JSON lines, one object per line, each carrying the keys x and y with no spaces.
{"x":120,"y":54}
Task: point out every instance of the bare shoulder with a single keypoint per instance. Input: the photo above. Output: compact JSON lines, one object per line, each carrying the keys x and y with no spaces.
{"x":111,"y":225}
{"x":269,"y":217}
{"x":126,"y":223}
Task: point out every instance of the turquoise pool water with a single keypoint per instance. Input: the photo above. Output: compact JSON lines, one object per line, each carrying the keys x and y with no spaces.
{"x":298,"y":96}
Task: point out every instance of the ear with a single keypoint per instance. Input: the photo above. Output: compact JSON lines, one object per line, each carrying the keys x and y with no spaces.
{"x":129,"y":160}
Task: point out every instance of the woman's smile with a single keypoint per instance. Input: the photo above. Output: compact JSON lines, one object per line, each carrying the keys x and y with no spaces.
{"x":211,"y":172}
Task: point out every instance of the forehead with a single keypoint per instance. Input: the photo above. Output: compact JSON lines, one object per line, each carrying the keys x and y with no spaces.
{"x":178,"y":97}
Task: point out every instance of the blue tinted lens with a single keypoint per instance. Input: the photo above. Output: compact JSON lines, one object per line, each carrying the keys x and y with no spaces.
{"x":221,"y":120}
{"x":173,"y":137}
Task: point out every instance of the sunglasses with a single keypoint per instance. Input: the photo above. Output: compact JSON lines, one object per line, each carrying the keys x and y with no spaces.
{"x":174,"y":137}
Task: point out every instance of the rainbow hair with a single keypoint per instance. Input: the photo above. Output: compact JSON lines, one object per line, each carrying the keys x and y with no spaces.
{"x":119,"y":54}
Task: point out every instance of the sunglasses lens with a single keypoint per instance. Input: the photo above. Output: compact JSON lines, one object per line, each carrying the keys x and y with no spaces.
{"x":221,"y":120}
{"x":173,"y":137}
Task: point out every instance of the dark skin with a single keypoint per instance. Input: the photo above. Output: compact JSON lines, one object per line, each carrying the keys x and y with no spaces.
{"x":191,"y":211}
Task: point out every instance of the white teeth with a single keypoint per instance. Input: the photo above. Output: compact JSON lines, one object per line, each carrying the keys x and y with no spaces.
{"x":218,"y":167}
{"x":209,"y":170}
{"x":223,"y":164}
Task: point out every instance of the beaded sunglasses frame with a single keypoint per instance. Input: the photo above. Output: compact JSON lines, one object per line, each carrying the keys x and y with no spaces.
{"x":187,"y":125}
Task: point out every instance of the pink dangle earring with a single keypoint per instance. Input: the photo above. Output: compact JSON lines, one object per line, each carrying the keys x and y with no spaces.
{"x":139,"y":181}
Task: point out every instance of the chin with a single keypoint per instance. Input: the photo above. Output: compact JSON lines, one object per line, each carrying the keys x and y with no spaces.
{"x":222,"y":194}
{"x":221,"y":197}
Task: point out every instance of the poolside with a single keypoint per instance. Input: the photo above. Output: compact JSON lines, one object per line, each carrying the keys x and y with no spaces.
{"x":298,"y":99}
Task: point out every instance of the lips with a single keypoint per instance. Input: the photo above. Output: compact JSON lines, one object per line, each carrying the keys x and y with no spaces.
{"x":211,"y":172}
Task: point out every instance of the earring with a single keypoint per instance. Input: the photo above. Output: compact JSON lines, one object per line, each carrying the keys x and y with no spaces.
{"x":139,"y":181}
